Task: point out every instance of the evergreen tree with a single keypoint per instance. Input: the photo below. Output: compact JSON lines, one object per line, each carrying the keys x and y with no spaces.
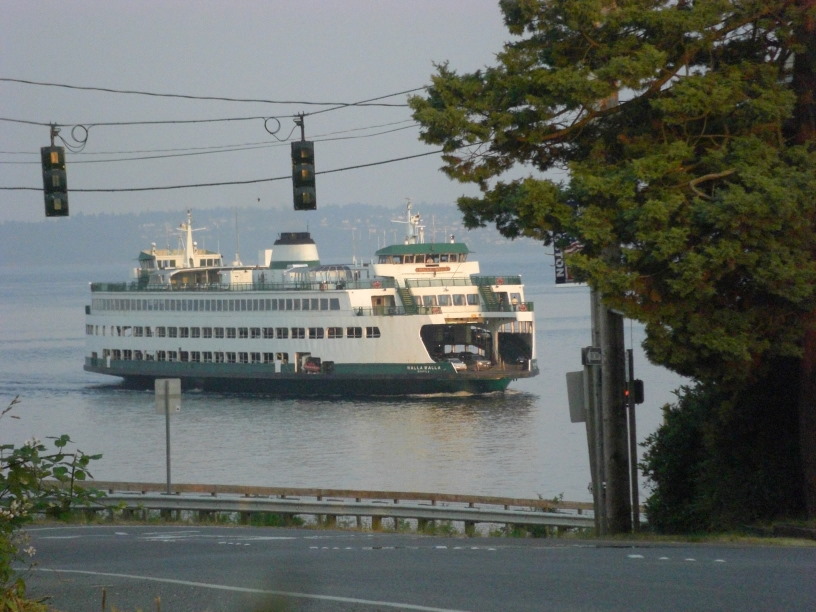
{"x":675,"y":140}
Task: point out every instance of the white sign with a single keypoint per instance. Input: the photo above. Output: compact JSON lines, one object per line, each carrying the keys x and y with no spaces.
{"x":591,"y":355}
{"x":168,"y":395}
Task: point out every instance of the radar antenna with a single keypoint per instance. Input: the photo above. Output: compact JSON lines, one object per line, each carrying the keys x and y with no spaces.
{"x":414,"y":230}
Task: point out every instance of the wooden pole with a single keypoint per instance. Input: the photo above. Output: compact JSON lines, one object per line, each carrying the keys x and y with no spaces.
{"x":594,"y":422}
{"x":614,"y":419}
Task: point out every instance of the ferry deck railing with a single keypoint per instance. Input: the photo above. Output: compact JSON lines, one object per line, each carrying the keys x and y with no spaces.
{"x":384,"y":283}
{"x":239,"y":287}
{"x":483,"y":282}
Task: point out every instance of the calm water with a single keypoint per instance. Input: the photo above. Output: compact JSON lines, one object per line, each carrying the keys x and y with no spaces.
{"x":520,"y":443}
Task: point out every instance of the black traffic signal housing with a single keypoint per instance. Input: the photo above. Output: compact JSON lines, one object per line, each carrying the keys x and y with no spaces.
{"x":55,"y":181}
{"x":634,"y":391}
{"x":303,"y":175}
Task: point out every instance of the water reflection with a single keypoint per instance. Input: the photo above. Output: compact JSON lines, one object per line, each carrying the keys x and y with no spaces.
{"x":448,"y":444}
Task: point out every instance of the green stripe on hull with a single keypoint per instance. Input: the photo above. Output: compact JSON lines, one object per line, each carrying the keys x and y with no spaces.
{"x":348,"y":380}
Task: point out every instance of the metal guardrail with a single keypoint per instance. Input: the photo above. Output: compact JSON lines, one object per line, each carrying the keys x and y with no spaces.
{"x":422,"y":507}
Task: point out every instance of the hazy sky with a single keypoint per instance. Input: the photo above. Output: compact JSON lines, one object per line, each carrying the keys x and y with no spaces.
{"x":274,"y":50}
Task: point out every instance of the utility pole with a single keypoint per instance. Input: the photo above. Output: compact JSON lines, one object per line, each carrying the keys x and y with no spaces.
{"x":600,"y":397}
{"x":594,"y":421}
{"x":615,"y":431}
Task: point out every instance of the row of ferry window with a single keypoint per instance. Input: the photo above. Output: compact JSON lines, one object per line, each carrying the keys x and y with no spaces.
{"x":266,"y":333}
{"x":215,"y":305}
{"x":171,"y":263}
{"x":448,"y":299}
{"x":196,"y":356}
{"x":423,"y":258}
{"x":152,"y":264}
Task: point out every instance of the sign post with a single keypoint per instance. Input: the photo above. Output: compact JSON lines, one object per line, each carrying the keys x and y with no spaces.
{"x":168,"y":397}
{"x":632,"y":422}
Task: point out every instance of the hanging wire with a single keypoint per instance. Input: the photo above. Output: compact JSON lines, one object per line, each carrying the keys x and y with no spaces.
{"x":227,"y":183}
{"x":79,"y":135}
{"x":145,"y":154}
{"x":370,"y":102}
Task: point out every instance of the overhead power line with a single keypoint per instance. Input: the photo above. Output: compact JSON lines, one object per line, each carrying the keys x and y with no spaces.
{"x":85,"y":126}
{"x":145,"y":122}
{"x":141,"y":155}
{"x":369,"y":102}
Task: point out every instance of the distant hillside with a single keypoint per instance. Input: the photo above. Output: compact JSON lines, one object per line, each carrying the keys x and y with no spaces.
{"x":341,"y":232}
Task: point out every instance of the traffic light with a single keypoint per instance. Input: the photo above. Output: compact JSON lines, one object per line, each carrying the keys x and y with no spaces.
{"x":303,"y":175}
{"x":55,"y":182}
{"x":634,"y":388}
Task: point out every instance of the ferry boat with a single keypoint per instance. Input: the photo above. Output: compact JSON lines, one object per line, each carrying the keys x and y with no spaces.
{"x":418,"y":319}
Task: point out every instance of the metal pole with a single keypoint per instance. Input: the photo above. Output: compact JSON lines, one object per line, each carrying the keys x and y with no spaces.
{"x":633,"y":464}
{"x":595,"y":424}
{"x":167,"y":428}
{"x":592,"y":436}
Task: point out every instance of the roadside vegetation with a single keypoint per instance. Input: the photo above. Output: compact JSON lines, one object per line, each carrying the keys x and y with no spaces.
{"x":36,"y":478}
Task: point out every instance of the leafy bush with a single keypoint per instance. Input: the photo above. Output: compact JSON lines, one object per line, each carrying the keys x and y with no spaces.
{"x":721,"y":460}
{"x":34,"y":480}
{"x":672,"y":462}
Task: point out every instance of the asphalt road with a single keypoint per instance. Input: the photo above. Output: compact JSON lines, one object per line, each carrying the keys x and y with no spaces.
{"x":264,"y":569}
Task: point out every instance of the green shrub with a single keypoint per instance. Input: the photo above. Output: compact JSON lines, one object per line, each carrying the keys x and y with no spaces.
{"x":34,"y":480}
{"x":724,"y":460}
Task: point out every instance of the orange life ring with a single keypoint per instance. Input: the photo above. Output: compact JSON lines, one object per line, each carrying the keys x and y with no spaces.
{"x":499,"y":281}
{"x":376,"y":284}
{"x":523,"y":307}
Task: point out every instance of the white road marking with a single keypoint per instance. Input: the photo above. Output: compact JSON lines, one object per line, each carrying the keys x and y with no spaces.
{"x":669,"y":558}
{"x":383,"y":547}
{"x":224,"y":587}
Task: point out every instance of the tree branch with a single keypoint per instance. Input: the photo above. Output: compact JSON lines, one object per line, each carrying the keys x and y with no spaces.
{"x":708,"y":177}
